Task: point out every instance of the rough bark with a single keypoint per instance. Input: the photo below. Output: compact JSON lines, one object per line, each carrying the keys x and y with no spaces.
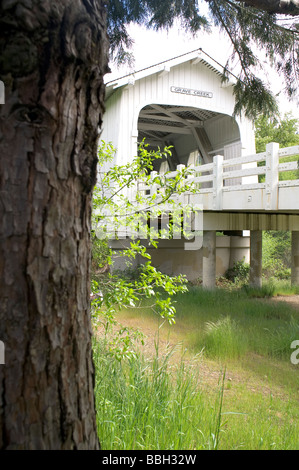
{"x":53,"y":54}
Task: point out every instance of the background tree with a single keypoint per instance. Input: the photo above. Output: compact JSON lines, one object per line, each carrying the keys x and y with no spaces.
{"x":283,"y":130}
{"x":277,"y":244}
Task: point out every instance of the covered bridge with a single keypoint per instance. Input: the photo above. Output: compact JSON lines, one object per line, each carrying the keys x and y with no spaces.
{"x":183,"y":103}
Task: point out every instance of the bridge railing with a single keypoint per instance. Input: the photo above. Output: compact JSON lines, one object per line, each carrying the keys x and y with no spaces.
{"x":262,"y":171}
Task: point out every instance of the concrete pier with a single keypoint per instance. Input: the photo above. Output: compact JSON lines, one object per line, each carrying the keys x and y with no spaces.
{"x":295,"y":259}
{"x":209,"y":259}
{"x":256,"y":258}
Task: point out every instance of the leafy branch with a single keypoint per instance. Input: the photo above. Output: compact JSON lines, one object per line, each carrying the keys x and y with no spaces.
{"x":112,"y":292}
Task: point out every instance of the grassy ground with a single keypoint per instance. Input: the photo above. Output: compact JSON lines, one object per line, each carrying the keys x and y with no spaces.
{"x":235,"y":388}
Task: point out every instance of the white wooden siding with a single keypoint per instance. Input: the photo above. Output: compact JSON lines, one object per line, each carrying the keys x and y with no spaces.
{"x":124,"y":106}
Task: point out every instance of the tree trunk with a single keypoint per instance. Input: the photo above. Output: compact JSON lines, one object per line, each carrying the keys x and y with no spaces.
{"x":53,"y":54}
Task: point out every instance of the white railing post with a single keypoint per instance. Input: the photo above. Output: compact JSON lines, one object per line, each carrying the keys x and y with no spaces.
{"x":190,"y":177}
{"x":154,"y":186}
{"x":180,"y":168}
{"x":138,"y":187}
{"x":189,"y":180}
{"x":217,"y":182}
{"x":272,"y":176}
{"x":152,"y":218}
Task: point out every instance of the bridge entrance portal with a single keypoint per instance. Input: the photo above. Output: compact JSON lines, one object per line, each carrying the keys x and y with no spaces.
{"x":194,"y":134}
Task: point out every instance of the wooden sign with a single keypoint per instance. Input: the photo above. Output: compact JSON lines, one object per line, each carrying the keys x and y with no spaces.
{"x":189,"y":91}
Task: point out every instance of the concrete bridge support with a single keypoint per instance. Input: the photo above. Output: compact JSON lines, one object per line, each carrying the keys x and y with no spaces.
{"x":256,"y":258}
{"x":295,"y":259}
{"x":209,"y":259}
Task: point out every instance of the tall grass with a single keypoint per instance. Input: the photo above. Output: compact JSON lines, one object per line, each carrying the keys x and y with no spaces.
{"x":222,"y":338}
{"x":229,"y":325}
{"x":161,"y":402}
{"x":153,"y":405}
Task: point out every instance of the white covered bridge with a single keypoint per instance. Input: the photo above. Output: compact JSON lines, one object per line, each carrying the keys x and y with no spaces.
{"x":183,"y":103}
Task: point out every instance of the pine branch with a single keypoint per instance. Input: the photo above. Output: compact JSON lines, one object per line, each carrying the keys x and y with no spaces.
{"x":282,"y":7}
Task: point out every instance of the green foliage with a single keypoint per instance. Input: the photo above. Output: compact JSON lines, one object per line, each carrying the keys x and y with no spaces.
{"x":230,"y":324}
{"x":239,"y":273}
{"x":252,"y":30}
{"x":223,"y":339}
{"x":267,"y":290}
{"x":100,"y":255}
{"x":277,"y":254}
{"x":163,"y":402}
{"x":277,"y":244}
{"x":112,"y":291}
{"x":151,"y":404}
{"x":253,"y":97}
{"x":282,"y":130}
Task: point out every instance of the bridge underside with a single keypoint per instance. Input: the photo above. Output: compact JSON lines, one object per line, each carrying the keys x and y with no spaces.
{"x":206,"y":256}
{"x":255,"y":222}
{"x":236,"y":221}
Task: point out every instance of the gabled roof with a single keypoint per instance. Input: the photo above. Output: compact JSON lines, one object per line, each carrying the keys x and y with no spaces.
{"x":196,"y":56}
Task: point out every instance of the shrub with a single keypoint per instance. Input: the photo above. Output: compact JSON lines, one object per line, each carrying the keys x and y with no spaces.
{"x":239,"y":272}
